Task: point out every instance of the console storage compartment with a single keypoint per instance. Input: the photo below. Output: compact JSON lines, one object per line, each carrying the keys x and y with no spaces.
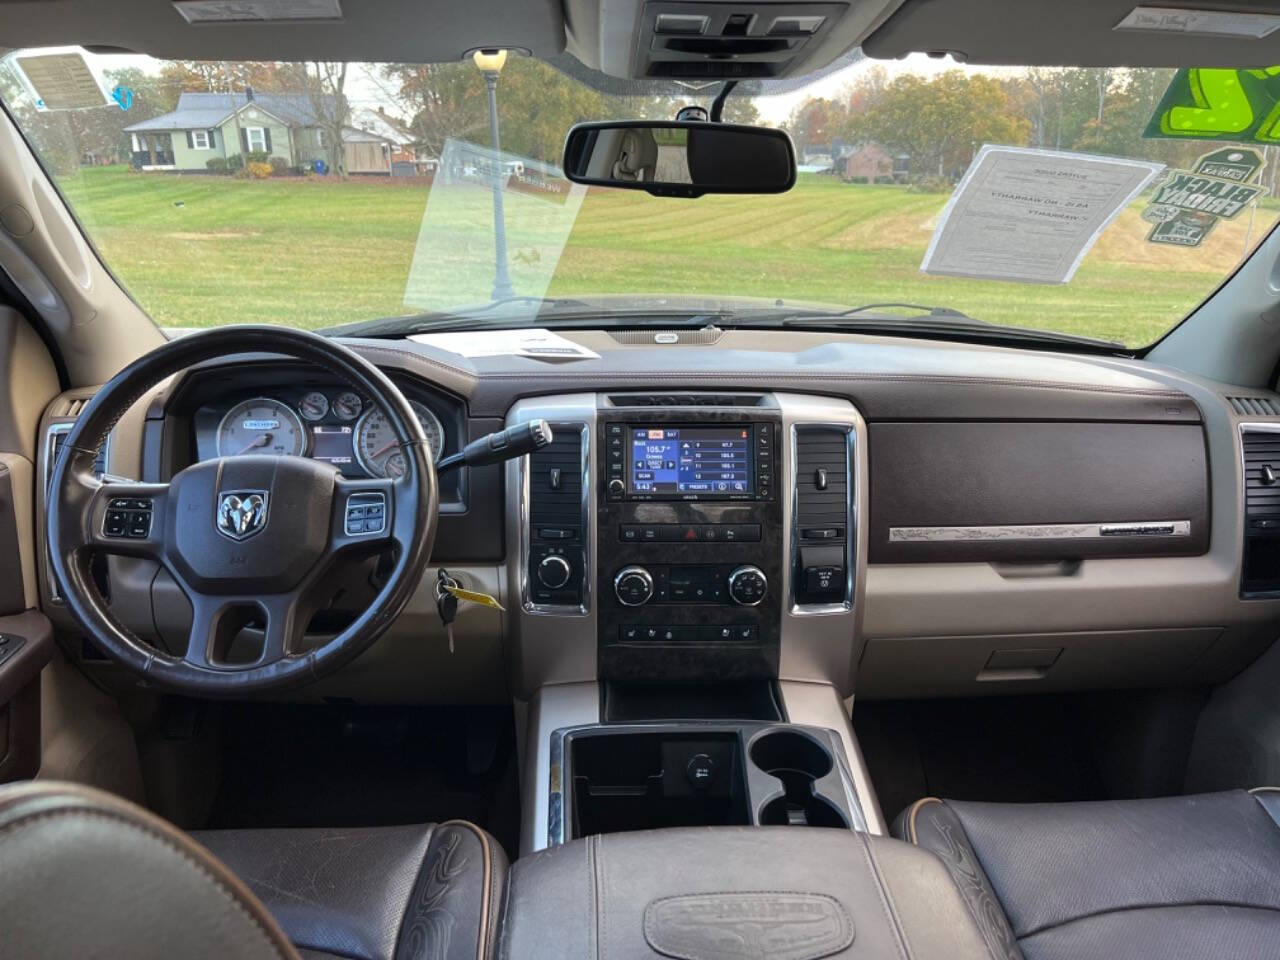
{"x":649,"y":776}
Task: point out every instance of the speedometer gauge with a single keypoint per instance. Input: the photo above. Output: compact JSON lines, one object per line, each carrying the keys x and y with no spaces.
{"x":262,"y":426}
{"x":377,"y":448}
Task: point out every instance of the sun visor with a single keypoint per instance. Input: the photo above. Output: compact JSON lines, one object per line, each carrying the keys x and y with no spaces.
{"x":1088,"y":33}
{"x":405,"y":31}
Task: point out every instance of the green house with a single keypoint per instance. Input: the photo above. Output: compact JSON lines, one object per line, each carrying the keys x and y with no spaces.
{"x":206,"y":126}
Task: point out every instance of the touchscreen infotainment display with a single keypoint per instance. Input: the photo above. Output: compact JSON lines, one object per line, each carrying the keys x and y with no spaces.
{"x":691,"y":461}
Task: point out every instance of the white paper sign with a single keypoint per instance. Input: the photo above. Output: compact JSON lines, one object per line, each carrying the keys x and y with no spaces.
{"x":1217,"y":23}
{"x":1031,"y":215}
{"x":62,"y":81}
{"x":539,"y":344}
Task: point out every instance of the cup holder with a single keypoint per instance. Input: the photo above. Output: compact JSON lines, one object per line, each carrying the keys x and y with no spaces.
{"x":799,"y":762}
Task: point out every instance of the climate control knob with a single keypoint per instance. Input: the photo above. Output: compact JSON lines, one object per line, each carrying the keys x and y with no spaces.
{"x":633,"y":586}
{"x":554,"y":572}
{"x":748,"y":585}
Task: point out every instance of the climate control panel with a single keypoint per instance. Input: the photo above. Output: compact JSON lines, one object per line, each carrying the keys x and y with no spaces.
{"x":689,"y":551}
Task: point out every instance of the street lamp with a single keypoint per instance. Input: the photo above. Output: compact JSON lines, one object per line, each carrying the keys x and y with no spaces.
{"x":490,"y":63}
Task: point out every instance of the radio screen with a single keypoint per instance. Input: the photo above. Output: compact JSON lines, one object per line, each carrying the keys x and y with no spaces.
{"x":692,"y":461}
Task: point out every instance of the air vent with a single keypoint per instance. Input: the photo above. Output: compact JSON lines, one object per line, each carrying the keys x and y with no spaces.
{"x":822,"y":482}
{"x":686,"y":399}
{"x":58,"y":433}
{"x":1261,"y":475}
{"x":1255,"y":406}
{"x":74,"y":406}
{"x":702,"y":337}
{"x":555,"y":482}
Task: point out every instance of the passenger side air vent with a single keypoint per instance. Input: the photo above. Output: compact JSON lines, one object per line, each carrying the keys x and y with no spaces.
{"x":557,"y":519}
{"x":1255,"y":406}
{"x":686,"y":399}
{"x":822,"y":515}
{"x":1261,"y":564}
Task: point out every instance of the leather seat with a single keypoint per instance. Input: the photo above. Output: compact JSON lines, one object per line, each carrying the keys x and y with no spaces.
{"x":1179,"y":877}
{"x":84,"y":873}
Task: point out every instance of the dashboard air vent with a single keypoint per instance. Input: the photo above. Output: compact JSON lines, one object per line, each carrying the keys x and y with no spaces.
{"x":57,"y":438}
{"x":555,"y":482}
{"x":1255,"y":406}
{"x":822,"y":480}
{"x":686,"y":400}
{"x":1261,"y":474}
{"x":702,"y":337}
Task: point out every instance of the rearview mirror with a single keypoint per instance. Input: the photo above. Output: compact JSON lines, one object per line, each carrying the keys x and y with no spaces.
{"x":680,"y":159}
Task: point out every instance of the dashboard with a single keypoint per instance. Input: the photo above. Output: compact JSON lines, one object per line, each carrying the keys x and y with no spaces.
{"x":896,"y":518}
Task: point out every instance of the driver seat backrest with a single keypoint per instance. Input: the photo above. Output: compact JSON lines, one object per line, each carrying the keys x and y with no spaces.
{"x":86,"y":874}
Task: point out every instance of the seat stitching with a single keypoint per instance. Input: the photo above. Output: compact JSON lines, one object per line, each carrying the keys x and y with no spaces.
{"x":1135,"y":907}
{"x":487,"y":892}
{"x":899,"y":938}
{"x":593,"y":883}
{"x":27,"y":820}
{"x":911,"y":817}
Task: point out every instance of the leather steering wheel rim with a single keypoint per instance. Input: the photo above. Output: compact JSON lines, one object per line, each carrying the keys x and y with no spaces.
{"x":196,"y":557}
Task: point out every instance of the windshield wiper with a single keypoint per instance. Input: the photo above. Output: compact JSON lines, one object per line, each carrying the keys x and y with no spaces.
{"x":436,"y":319}
{"x":891,"y":305}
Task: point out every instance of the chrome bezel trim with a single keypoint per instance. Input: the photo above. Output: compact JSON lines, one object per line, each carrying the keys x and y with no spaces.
{"x":418,"y":409}
{"x":1112,"y":529}
{"x":834,"y":607}
{"x":557,"y":788}
{"x":62,"y":426}
{"x":639,"y":572}
{"x":588,"y":553}
{"x":743,"y":571}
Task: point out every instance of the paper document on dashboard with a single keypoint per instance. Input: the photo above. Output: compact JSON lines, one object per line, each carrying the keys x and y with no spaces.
{"x":537,"y":343}
{"x":1031,"y":215}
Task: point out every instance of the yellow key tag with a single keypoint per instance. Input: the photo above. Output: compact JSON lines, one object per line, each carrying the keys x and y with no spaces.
{"x":471,"y":596}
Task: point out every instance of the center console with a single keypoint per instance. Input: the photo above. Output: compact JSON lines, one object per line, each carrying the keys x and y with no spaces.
{"x":685,"y":575}
{"x":689,"y":541}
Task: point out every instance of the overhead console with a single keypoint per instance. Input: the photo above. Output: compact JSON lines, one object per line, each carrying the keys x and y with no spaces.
{"x":730,"y":40}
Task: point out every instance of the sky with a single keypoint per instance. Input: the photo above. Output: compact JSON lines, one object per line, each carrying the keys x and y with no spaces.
{"x":366,"y":89}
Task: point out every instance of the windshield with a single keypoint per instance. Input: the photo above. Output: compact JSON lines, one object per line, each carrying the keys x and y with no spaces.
{"x":321,"y":194}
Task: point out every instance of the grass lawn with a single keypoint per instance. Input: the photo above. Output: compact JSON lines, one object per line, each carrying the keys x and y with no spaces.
{"x":199,"y":251}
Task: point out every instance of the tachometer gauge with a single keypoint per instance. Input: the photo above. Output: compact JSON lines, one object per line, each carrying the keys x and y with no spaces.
{"x":377,"y":448}
{"x":261,"y":426}
{"x":313,"y":406}
{"x":347,"y":405}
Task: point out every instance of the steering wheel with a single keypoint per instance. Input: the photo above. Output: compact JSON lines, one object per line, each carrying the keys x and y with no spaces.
{"x":246,"y":538}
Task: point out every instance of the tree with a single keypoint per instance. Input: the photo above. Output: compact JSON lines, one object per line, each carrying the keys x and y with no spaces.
{"x":326,"y":83}
{"x":941,"y":122}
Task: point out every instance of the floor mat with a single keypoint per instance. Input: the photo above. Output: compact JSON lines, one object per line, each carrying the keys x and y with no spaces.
{"x":1010,"y":749}
{"x":336,"y":766}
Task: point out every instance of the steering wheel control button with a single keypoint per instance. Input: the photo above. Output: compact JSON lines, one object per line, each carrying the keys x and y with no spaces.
{"x":127,"y":517}
{"x":747,"y":585}
{"x":366,"y":513}
{"x":633,"y":586}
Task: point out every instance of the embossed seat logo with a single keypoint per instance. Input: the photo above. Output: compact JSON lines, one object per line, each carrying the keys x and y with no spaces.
{"x":241,"y":513}
{"x":748,"y":926}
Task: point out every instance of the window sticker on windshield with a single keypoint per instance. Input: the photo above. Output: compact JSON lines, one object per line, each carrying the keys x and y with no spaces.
{"x":61,"y":81}
{"x":1213,"y":104}
{"x":240,"y":11}
{"x":1188,"y":204}
{"x":493,"y":231}
{"x":1031,"y":215}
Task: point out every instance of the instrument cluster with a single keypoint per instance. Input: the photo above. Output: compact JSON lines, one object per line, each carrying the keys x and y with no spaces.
{"x":335,"y":425}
